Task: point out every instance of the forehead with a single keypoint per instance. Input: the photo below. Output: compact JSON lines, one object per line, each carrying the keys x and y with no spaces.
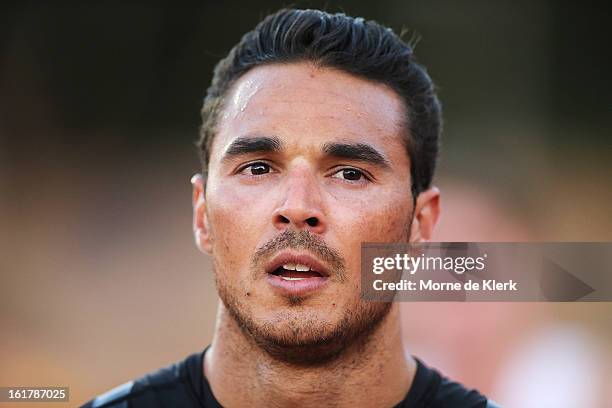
{"x":300,"y":102}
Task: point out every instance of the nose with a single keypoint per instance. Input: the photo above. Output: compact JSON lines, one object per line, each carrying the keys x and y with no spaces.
{"x":300,"y":206}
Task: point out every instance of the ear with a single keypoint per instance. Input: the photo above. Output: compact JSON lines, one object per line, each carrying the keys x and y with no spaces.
{"x":426,"y":213}
{"x":201,"y":228}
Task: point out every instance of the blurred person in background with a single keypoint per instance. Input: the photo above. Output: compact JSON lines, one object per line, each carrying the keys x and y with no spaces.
{"x":319,"y":132}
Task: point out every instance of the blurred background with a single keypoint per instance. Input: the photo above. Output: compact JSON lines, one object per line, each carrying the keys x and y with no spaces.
{"x":100,"y":281}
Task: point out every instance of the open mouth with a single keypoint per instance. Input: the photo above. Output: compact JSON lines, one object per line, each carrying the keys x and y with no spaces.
{"x":295,"y":272}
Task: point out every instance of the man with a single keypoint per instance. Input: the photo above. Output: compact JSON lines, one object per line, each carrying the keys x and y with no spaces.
{"x":320,"y":132}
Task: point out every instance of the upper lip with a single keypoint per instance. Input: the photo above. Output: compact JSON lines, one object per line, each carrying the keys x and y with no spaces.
{"x":304,"y":259}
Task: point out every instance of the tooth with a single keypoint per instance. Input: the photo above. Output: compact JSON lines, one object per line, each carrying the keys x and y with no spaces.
{"x":291,"y":279}
{"x":302,"y":268}
{"x":289,"y":266}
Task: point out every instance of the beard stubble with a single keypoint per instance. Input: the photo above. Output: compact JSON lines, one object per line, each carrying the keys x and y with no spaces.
{"x":296,"y":337}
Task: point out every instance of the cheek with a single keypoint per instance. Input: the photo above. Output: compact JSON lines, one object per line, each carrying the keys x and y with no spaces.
{"x":237,"y":221}
{"x":382,"y":217}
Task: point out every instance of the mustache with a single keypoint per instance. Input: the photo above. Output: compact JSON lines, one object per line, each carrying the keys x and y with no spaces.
{"x":302,"y":240}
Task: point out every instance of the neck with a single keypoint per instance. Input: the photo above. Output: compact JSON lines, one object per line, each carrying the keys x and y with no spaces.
{"x":376,"y":372}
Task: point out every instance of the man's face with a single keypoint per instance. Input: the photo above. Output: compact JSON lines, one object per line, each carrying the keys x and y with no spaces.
{"x":307,"y":164}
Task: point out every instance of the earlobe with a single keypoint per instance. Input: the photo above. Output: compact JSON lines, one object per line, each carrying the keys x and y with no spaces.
{"x":426,"y":214}
{"x":201,"y":229}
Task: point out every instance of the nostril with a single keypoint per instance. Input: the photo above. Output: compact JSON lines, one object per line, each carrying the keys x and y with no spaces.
{"x":312,"y":221}
{"x":284,"y":220}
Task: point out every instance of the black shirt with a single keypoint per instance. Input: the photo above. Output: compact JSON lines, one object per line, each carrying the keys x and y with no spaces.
{"x":183,"y":385}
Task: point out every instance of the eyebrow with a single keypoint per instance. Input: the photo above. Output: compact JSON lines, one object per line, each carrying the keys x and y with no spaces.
{"x":246,"y":145}
{"x":357,"y":151}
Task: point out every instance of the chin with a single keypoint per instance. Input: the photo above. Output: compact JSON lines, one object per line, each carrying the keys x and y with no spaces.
{"x":301,"y":337}
{"x":304,"y":335}
{"x":296,"y":324}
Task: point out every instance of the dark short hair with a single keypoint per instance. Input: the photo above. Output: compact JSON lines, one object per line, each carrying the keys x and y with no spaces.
{"x":354,"y":45}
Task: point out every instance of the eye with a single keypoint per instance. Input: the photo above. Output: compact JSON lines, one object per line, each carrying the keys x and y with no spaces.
{"x":350,"y":174}
{"x":256,"y":169}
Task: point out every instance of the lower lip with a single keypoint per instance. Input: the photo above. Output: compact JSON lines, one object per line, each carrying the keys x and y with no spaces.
{"x":296,"y":287}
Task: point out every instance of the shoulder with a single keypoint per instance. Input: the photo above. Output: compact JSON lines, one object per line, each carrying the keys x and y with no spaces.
{"x":115,"y":398}
{"x":431,"y":389}
{"x":168,"y":386}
